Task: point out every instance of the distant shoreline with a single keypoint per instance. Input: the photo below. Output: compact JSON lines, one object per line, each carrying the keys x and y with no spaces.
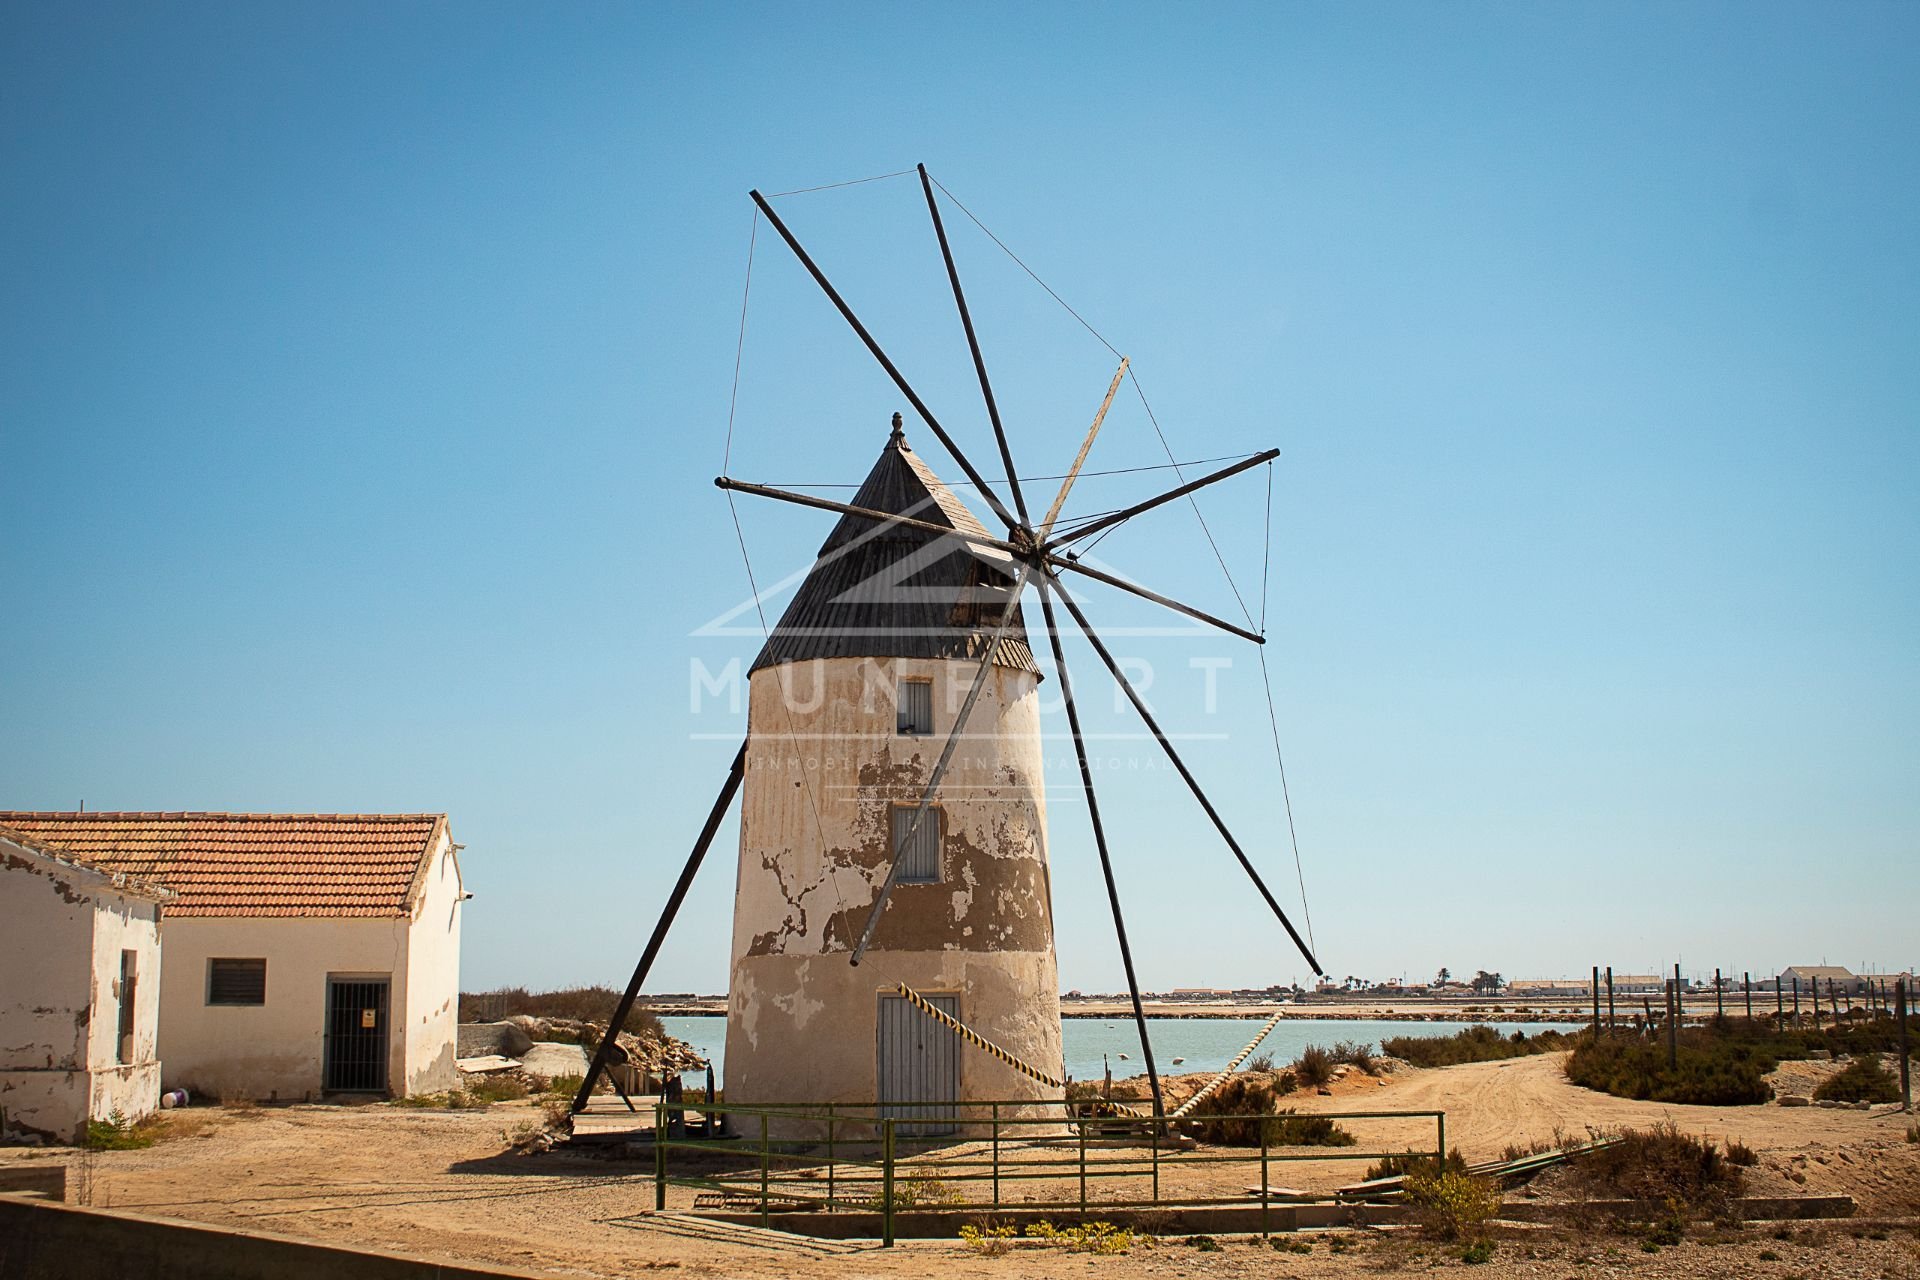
{"x":1110,"y":1010}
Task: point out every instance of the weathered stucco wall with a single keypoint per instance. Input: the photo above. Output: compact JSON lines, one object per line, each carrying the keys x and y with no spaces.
{"x":433,"y":977}
{"x":824,"y":769}
{"x":61,"y":934}
{"x":277,"y":1050}
{"x":273,"y":1050}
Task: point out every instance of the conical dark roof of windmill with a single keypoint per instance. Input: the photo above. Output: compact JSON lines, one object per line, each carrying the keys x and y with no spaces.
{"x":891,"y":591}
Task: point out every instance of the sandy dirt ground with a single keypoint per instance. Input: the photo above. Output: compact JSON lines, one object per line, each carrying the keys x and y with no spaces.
{"x":437,"y":1183}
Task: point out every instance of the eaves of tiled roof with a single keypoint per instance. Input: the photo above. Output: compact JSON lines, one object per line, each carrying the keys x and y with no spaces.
{"x":255,"y":864}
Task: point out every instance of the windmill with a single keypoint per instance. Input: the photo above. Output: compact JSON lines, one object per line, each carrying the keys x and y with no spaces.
{"x":906,"y":526}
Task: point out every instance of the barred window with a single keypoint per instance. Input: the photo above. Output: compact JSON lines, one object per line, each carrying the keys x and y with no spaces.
{"x":236,"y":982}
{"x":920,"y":855}
{"x":915,"y":707}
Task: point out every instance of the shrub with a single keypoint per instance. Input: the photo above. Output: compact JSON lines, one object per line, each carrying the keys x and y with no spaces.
{"x":117,"y":1133}
{"x":1315,"y":1067}
{"x":1709,"y":1071}
{"x":1248,"y":1106}
{"x":988,"y":1239}
{"x":913,"y":1192}
{"x":1290,"y":1130}
{"x":1741,"y":1154}
{"x":1091,"y":1237}
{"x":1478,"y":1252}
{"x":1261,"y":1062}
{"x":1863,"y":1080}
{"x":1474,"y":1044}
{"x":1662,"y":1165}
{"x":1416,"y":1163}
{"x":564,"y":1086}
{"x":1356,"y":1053}
{"x":1452,"y":1205}
{"x":506,"y":1086}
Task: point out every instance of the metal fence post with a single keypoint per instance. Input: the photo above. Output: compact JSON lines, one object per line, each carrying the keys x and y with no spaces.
{"x":886,"y":1183}
{"x":660,"y":1155}
{"x":1441,"y":1118}
{"x":996,"y":1154}
{"x":1265,"y":1231}
{"x":1156,"y":1163}
{"x":1083,"y":1167}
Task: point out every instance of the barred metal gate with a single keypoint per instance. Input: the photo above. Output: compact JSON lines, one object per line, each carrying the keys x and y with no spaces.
{"x":356,"y":1048}
{"x":919,"y":1066}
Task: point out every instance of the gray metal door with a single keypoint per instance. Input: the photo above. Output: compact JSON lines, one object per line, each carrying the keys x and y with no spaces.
{"x":919,"y":1060}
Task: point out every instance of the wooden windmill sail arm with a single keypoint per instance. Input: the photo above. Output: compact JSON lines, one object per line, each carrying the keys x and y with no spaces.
{"x":1086,"y":447}
{"x":1007,"y":616}
{"x":899,"y":380}
{"x":1128,"y":513}
{"x":1180,"y":766}
{"x":1200,"y":615}
{"x":1100,"y":842}
{"x":973,"y":345}
{"x":866,"y":513}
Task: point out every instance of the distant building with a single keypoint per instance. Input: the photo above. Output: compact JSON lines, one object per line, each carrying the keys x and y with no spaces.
{"x":79,"y":991}
{"x":1831,"y":977}
{"x":1637,"y":984}
{"x":1563,"y":987}
{"x":305,"y":953}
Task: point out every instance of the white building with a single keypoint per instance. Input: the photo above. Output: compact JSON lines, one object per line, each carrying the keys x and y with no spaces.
{"x":79,"y":991}
{"x":305,"y":953}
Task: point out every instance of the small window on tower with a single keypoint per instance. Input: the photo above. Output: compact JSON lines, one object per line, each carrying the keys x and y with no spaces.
{"x":919,"y":853}
{"x":915,"y":707}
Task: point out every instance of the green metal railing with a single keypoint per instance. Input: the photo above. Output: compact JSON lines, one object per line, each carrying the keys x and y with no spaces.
{"x":771,"y":1157}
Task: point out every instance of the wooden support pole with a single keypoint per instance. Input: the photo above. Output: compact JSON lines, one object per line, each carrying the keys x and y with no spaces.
{"x":1596,"y":1002}
{"x":1906,"y":1050}
{"x":1610,"y":1019}
{"x":1746,"y":986}
{"x":1796,"y":1000}
{"x":1719,"y":999}
{"x":1673,"y":1024}
{"x":603,"y":1052}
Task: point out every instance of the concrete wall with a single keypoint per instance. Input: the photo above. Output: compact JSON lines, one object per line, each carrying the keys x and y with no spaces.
{"x":40,"y":1240}
{"x":61,"y":933}
{"x":801,"y":1021}
{"x":276,"y":1050}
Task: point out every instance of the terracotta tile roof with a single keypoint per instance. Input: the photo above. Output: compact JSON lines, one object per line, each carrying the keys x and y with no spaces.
{"x":129,"y":884}
{"x":254,"y":864}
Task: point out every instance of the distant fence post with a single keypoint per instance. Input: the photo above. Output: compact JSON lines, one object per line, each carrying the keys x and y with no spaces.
{"x":1673,"y":1024}
{"x":1796,"y":999}
{"x":1596,"y":1002}
{"x":1610,"y":1021}
{"x":1719,"y":1000}
{"x":1746,"y":985}
{"x":1906,"y":1062}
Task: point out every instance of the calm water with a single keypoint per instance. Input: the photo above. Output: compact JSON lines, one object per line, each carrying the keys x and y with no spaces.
{"x":1206,"y":1044}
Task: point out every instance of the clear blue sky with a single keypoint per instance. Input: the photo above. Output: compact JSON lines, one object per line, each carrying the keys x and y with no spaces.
{"x":364,"y":369}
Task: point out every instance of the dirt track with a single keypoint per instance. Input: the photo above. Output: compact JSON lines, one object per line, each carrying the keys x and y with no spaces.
{"x":436,"y":1183}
